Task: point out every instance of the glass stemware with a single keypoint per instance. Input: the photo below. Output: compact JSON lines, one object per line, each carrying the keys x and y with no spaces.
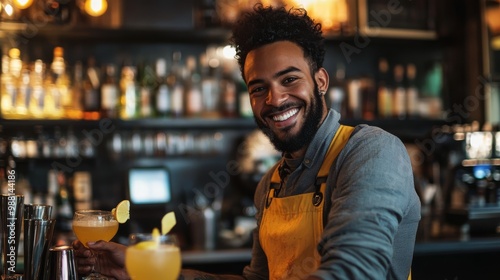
{"x":150,"y":257}
{"x":91,"y":226}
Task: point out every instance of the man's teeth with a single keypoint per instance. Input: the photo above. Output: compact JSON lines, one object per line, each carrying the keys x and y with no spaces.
{"x":285,"y":116}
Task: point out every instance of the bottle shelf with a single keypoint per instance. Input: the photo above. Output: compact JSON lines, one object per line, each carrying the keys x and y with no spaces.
{"x":165,"y":123}
{"x":126,"y":34}
{"x":158,"y":35}
{"x":408,"y":129}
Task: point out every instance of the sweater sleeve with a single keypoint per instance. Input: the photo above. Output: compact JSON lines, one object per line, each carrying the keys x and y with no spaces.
{"x":373,"y":194}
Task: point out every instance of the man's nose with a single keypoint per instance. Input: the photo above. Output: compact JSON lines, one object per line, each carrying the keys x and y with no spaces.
{"x":276,"y":97}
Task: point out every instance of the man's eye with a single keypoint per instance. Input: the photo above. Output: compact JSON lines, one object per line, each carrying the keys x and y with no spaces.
{"x":289,"y":80}
{"x":256,"y":90}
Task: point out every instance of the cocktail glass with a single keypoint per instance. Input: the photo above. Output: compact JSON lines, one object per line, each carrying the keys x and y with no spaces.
{"x":91,"y":226}
{"x":153,"y":257}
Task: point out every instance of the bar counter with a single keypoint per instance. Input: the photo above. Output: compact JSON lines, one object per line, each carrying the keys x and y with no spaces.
{"x":452,"y":259}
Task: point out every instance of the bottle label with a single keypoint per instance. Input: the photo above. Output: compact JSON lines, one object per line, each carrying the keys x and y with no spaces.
{"x":163,"y":99}
{"x":130,"y":107}
{"x":109,"y":96}
{"x":385,"y":102}
{"x":22,"y":99}
{"x":91,"y":100}
{"x":9,"y":100}
{"x":194,"y":103}
{"x":336,"y":97}
{"x":146,"y":110}
{"x":412,"y":101}
{"x":210,"y":94}
{"x":245,"y":105}
{"x":177,"y":104}
{"x":56,"y":98}
{"x":399,"y":102}
{"x":230,"y":98}
{"x":37,"y":99}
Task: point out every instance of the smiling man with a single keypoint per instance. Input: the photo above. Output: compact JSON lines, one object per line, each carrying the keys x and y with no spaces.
{"x":286,"y":100}
{"x":341,"y":202}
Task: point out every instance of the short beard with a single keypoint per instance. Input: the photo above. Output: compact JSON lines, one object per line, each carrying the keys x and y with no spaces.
{"x":312,"y":122}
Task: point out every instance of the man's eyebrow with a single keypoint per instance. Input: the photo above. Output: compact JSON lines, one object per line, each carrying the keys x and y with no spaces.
{"x":286,"y":71}
{"x":277,"y":75}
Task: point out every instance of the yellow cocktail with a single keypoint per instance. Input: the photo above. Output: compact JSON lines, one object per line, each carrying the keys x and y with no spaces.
{"x":87,"y":231}
{"x":94,"y":225}
{"x":153,"y":258}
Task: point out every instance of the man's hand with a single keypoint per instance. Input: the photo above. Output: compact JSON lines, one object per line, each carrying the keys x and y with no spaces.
{"x":111,"y":260}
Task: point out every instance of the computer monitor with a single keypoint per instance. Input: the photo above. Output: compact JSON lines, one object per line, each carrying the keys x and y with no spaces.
{"x":149,"y":186}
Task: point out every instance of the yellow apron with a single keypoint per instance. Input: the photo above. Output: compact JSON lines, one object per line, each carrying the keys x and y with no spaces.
{"x":291,"y":227}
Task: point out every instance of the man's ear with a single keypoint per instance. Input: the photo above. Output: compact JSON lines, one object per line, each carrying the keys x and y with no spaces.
{"x":322,"y":79}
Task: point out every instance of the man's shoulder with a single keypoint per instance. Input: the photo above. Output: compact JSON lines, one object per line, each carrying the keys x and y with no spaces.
{"x":363,"y":132}
{"x":370,"y":140}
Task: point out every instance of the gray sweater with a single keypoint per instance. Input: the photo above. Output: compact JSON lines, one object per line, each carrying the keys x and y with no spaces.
{"x":370,"y":216}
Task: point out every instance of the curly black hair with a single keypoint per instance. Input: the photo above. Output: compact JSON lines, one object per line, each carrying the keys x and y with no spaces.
{"x":265,"y":25}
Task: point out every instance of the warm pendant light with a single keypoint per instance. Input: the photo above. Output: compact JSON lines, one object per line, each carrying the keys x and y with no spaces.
{"x":8,"y":10}
{"x":22,"y":4}
{"x":95,"y":8}
{"x":331,"y":13}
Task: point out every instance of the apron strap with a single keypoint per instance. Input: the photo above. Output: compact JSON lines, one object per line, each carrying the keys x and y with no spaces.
{"x":336,"y":145}
{"x":338,"y":142}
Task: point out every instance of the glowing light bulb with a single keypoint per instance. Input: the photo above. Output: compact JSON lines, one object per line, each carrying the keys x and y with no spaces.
{"x":96,"y":8}
{"x":9,"y":10}
{"x":22,"y":4}
{"x":228,"y":52}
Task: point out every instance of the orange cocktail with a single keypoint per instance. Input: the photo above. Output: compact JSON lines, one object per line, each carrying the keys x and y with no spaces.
{"x":94,"y":225}
{"x":87,"y":231}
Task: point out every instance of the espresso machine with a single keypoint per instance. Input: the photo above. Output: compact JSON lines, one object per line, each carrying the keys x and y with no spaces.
{"x":474,"y":199}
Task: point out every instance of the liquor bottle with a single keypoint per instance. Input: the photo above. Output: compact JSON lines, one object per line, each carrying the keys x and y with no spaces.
{"x":192,"y":88}
{"x":175,"y":80}
{"x":60,"y":143}
{"x":163,"y":92}
{"x":354,"y":98}
{"x":23,"y":94}
{"x":368,"y":98}
{"x":91,"y":86}
{"x":109,"y":93}
{"x":72,"y":144}
{"x":336,"y":97}
{"x":412,"y":94}
{"x":228,"y":100}
{"x":64,"y":213}
{"x":8,"y":89}
{"x":384,"y":90}
{"x":210,"y":88}
{"x":146,"y":77}
{"x":37,"y":98}
{"x":244,"y":105}
{"x":57,"y":87}
{"x":82,"y":190}
{"x":399,"y":95}
{"x":15,"y":70}
{"x":3,"y":181}
{"x":129,"y":95}
{"x":77,"y":92}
